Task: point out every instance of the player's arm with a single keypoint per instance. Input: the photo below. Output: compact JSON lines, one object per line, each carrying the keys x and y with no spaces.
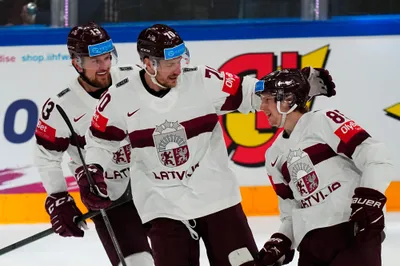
{"x":229,"y":92}
{"x":371,"y":157}
{"x":350,"y":140}
{"x":279,"y":247}
{"x":52,"y":140}
{"x":108,"y":128}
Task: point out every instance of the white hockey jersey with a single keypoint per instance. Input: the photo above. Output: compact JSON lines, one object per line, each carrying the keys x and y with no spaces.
{"x":179,"y":159}
{"x":315,"y":171}
{"x":53,"y":138}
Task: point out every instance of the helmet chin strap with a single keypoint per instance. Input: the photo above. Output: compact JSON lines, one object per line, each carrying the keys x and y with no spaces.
{"x":153,"y":76}
{"x":284,"y":114}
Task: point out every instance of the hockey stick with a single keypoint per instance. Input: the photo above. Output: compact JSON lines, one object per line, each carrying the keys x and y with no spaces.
{"x":93,"y":187}
{"x":50,"y":231}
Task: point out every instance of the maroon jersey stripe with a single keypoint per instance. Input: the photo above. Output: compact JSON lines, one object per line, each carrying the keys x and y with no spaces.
{"x":194,"y":127}
{"x":233,"y":102}
{"x":349,"y":147}
{"x":317,"y":153}
{"x":282,"y":190}
{"x":111,"y":133}
{"x":81,"y":141}
{"x":59,"y":144}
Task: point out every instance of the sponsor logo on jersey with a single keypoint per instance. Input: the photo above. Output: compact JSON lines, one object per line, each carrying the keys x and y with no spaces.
{"x":231,"y":83}
{"x":171,"y":144}
{"x":132,"y":113}
{"x":45,"y":131}
{"x":99,"y":122}
{"x":76,"y":119}
{"x":302,"y":172}
{"x":189,"y":69}
{"x":63,"y":92}
{"x":394,"y":111}
{"x":347,"y":130}
{"x":274,"y":162}
{"x":127,"y":68}
{"x":122,"y":82}
{"x":248,"y":136}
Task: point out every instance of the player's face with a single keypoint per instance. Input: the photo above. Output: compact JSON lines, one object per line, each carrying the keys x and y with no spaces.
{"x":168,"y":72}
{"x":97,"y":70}
{"x":269,"y":107}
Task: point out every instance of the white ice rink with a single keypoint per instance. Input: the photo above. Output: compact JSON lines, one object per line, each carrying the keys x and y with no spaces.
{"x":54,"y":250}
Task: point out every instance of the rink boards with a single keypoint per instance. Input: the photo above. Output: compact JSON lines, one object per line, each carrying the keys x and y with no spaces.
{"x":362,"y":56}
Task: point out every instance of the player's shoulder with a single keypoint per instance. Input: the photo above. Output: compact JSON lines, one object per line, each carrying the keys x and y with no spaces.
{"x":191,"y":72}
{"x":122,"y":86}
{"x":48,"y":114}
{"x":191,"y":69}
{"x":125,"y":68}
{"x":57,"y":98}
{"x":329,"y":115}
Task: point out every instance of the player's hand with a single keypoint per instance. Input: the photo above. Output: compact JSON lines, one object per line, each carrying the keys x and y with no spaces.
{"x":94,"y":197}
{"x":63,"y":212}
{"x":276,"y":251}
{"x":367,"y":213}
{"x":320,"y":82}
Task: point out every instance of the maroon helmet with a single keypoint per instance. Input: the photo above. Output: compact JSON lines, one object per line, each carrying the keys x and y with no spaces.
{"x":287,"y":84}
{"x":161,"y":42}
{"x":89,"y":40}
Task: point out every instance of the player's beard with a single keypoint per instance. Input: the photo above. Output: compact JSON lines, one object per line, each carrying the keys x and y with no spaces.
{"x":170,"y":82}
{"x":101,"y":82}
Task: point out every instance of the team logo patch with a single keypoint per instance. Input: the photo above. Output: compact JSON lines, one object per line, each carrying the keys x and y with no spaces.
{"x":302,"y":172}
{"x":171,"y":144}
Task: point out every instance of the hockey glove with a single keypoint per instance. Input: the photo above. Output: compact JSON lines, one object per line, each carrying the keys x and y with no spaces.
{"x":63,"y":212}
{"x":367,"y":214}
{"x":276,"y":251}
{"x":94,"y":197}
{"x":320,"y":82}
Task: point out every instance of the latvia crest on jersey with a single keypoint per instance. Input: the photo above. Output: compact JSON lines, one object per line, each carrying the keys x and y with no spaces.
{"x":171,"y":144}
{"x":302,"y":172}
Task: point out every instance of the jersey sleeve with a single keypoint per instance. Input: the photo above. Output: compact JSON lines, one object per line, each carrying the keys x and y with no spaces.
{"x":52,"y":140}
{"x":108,"y":128}
{"x":349,"y":139}
{"x":227,"y":91}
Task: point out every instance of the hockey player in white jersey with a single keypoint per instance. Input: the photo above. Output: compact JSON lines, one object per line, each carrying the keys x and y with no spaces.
{"x":330,"y":176}
{"x":182,"y":184}
{"x":92,"y":53}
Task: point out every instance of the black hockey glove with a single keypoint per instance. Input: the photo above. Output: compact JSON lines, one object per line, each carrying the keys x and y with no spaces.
{"x":276,"y":250}
{"x":367,"y":214}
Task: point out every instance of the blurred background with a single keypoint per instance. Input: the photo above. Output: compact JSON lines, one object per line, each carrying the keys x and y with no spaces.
{"x":356,"y":40}
{"x":71,"y":12}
